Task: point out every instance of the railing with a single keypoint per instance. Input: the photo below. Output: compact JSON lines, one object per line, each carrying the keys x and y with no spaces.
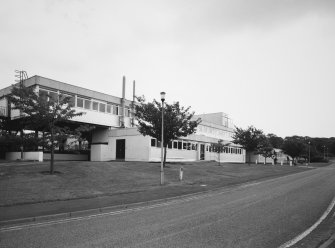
{"x":3,"y":111}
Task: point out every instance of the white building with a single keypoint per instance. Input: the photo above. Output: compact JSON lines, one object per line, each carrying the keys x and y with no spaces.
{"x":116,"y":136}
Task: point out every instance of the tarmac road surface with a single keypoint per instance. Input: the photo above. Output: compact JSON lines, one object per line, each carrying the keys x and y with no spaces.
{"x":263,"y":214}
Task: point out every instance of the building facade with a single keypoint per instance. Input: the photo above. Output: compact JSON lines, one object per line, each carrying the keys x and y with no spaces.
{"x":116,"y":137}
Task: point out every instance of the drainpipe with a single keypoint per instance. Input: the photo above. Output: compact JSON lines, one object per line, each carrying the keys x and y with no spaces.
{"x":123,"y":102}
{"x":133,"y":107}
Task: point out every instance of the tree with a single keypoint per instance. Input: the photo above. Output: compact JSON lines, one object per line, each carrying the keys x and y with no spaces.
{"x":219,"y":148}
{"x":177,"y":121}
{"x":250,"y":139}
{"x":294,"y":147}
{"x":265,"y":148}
{"x":274,"y":140}
{"x":42,"y":113}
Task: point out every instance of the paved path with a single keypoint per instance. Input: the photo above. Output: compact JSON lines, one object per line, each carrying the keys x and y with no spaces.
{"x":265,"y":214}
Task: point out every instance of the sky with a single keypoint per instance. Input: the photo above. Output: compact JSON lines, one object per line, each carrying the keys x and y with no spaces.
{"x":266,"y":63}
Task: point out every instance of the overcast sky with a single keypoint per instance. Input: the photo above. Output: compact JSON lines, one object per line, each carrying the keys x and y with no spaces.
{"x":267,"y":63}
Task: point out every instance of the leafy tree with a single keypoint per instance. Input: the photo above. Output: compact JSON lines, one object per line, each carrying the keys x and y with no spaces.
{"x":274,"y":140}
{"x":39,"y":113}
{"x":250,"y":139}
{"x":294,"y":146}
{"x":177,"y":121}
{"x":265,"y":148}
{"x":219,"y":148}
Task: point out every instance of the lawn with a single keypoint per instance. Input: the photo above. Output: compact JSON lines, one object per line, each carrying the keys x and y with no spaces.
{"x":22,"y":183}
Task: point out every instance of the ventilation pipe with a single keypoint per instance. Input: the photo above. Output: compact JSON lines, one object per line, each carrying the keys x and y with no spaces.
{"x":123,"y":102}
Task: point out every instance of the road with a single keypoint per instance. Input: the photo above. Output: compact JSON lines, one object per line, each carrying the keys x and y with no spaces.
{"x":262,"y":214}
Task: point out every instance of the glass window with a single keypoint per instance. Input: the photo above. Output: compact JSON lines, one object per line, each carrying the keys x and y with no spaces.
{"x":180,"y":145}
{"x":188,"y":146}
{"x":87,"y":104}
{"x":207,"y":148}
{"x":153,"y":142}
{"x":109,"y":108}
{"x":80,"y":103}
{"x":184,"y":145}
{"x":194,"y":147}
{"x":95,"y":106}
{"x":170,"y":144}
{"x":175,"y":144}
{"x":115,"y":110}
{"x":43,"y":94}
{"x":53,"y":96}
{"x":102,"y":107}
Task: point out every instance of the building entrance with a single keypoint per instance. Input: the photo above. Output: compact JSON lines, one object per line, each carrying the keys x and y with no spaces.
{"x":202,"y":152}
{"x":120,"y":149}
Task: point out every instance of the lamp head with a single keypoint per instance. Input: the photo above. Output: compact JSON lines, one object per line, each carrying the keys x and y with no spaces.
{"x":163,"y":96}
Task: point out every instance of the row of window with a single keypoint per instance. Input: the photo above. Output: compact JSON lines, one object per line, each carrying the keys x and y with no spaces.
{"x":85,"y":103}
{"x":214,"y":131}
{"x":186,"y":145}
{"x":101,"y":107}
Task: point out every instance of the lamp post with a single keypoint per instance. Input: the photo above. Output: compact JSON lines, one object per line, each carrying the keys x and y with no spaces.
{"x":309,"y":152}
{"x":324,"y":152}
{"x":162,"y":139}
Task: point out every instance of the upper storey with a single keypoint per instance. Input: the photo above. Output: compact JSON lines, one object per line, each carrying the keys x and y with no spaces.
{"x":98,"y":108}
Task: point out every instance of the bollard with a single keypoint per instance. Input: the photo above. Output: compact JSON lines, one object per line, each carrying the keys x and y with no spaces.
{"x":281,"y":163}
{"x":181,"y":172}
{"x":273,"y":163}
{"x":290,"y":163}
{"x":256,"y":161}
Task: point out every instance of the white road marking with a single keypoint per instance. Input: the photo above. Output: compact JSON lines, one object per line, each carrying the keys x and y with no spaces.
{"x":309,"y":230}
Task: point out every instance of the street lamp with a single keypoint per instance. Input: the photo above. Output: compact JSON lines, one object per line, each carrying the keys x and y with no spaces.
{"x":324,"y":152}
{"x":162,"y":139}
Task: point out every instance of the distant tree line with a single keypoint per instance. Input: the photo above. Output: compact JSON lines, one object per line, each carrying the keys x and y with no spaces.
{"x":253,"y":140}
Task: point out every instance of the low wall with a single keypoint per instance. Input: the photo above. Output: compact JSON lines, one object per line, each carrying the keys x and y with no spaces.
{"x":59,"y":157}
{"x":36,"y":156}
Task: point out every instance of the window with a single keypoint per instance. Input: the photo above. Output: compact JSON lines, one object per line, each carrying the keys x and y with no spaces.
{"x":53,"y":96}
{"x":87,"y":104}
{"x":43,"y":94}
{"x":175,"y":144}
{"x":80,"y":103}
{"x":180,"y":145}
{"x":153,"y":142}
{"x":115,"y":110}
{"x":95,"y":106}
{"x":102,"y":107}
{"x":207,"y":148}
{"x":127,"y":112}
{"x":109,"y":108}
{"x":170,"y":144}
{"x":184,"y":146}
{"x":194,"y":146}
{"x":188,"y":146}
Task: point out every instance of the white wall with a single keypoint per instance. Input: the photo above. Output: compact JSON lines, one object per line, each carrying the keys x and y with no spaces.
{"x":225,"y":157}
{"x":36,"y":156}
{"x":66,"y":157}
{"x":172,"y":154}
{"x":101,"y":152}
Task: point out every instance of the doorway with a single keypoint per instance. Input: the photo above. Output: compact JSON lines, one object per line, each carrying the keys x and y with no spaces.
{"x":120,"y":149}
{"x":202,"y":152}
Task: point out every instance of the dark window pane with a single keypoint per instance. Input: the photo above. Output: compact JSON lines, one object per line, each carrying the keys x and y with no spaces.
{"x":180,"y":145}
{"x":87,"y":104}
{"x":153,"y":142}
{"x":43,"y":94}
{"x":53,"y":96}
{"x":80,"y":103}
{"x":175,"y":144}
{"x":109,"y":108}
{"x":170,"y":144}
{"x":95,"y":106}
{"x":102,"y":107}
